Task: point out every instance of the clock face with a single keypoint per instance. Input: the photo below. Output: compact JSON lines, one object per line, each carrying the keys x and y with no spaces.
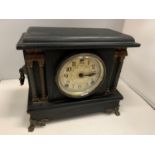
{"x":80,"y":75}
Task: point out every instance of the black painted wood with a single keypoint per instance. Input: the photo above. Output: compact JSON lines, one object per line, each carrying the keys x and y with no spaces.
{"x":66,"y":108}
{"x":47,"y":37}
{"x":55,"y":45}
{"x":55,"y":57}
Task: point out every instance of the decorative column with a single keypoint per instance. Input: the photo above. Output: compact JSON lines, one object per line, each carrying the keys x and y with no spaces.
{"x":118,"y":62}
{"x":31,"y":57}
{"x":29,"y":64}
{"x":41,"y":63}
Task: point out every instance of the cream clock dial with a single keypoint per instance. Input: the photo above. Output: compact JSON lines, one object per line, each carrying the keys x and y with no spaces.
{"x":80,"y":75}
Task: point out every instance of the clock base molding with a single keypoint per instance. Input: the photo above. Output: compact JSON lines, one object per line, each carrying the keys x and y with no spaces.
{"x":43,"y":112}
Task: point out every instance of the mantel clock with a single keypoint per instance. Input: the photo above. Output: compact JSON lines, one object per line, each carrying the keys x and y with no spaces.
{"x":72,"y":71}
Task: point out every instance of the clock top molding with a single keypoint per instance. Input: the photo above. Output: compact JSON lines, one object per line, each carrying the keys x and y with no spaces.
{"x":67,"y":37}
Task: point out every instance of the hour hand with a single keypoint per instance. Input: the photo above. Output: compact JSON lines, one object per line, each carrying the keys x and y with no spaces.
{"x":88,"y":74}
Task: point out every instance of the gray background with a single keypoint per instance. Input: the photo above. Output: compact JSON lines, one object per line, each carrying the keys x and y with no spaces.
{"x":10,"y":31}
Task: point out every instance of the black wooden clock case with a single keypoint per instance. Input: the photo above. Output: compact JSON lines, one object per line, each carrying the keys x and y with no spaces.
{"x":46,"y":48}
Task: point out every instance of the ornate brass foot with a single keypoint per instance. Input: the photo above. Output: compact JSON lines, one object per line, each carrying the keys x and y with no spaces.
{"x":116,"y":111}
{"x":32,"y":126}
{"x":112,"y":110}
{"x":34,"y":123}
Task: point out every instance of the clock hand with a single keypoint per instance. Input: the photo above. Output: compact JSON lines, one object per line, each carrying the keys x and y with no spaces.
{"x":89,"y":74}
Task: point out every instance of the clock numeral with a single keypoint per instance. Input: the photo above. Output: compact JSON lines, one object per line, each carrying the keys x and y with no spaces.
{"x":93,"y":66}
{"x":81,"y":61}
{"x":88,"y":62}
{"x":79,"y":86}
{"x":66,"y":85}
{"x":92,"y":82}
{"x":69,"y":69}
{"x":74,"y":63}
{"x":66,"y":75}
